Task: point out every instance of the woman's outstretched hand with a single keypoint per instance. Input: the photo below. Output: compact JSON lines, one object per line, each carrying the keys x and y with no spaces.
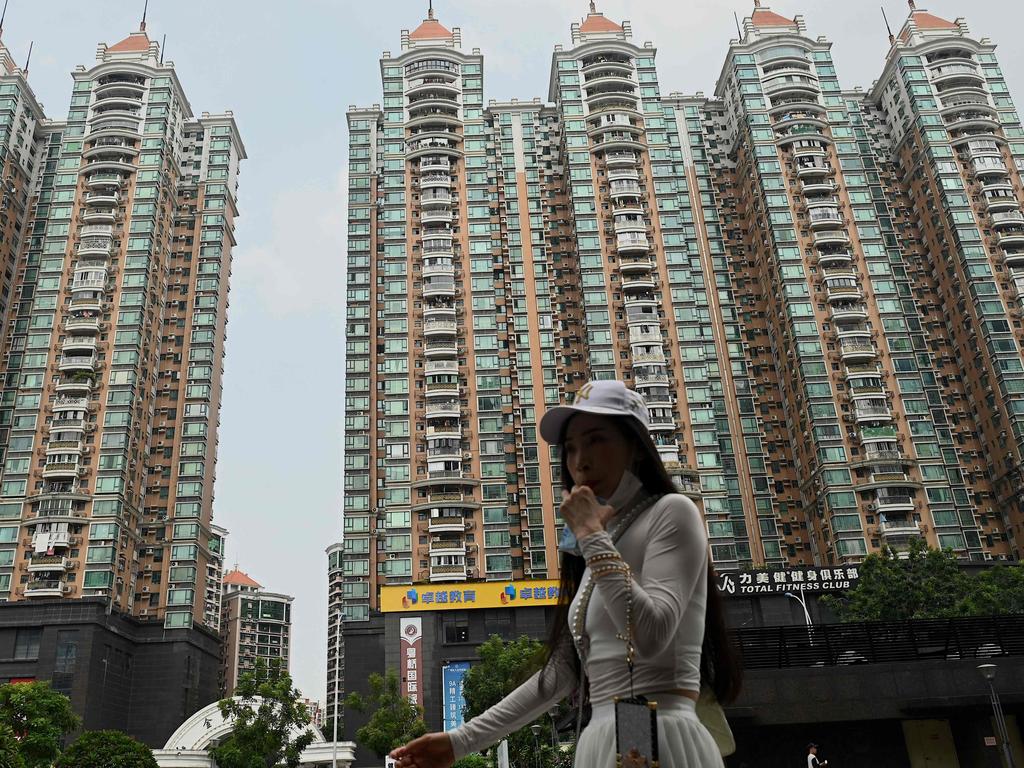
{"x":433,"y":750}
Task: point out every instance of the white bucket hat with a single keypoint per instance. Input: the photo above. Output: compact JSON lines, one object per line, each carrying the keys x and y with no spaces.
{"x":607,"y":398}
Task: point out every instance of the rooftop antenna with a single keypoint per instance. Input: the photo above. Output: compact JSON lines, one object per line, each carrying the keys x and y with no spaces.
{"x":2,"y":17}
{"x":887,"y":27}
{"x":757,"y":3}
{"x":913,"y":6}
{"x":736,"y":18}
{"x":430,"y":8}
{"x":142,"y":24}
{"x":593,"y":6}
{"x":163,"y":44}
{"x":29,"y":57}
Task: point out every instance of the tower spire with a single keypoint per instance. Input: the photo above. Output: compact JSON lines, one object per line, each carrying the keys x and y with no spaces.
{"x":430,"y":9}
{"x":912,"y":4}
{"x":887,"y":27}
{"x":757,"y":3}
{"x":593,"y":6}
{"x":2,"y":17}
{"x":142,"y":24}
{"x":28,"y":59}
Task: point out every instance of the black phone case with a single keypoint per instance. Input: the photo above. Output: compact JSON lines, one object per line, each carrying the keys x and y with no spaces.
{"x":636,"y":728}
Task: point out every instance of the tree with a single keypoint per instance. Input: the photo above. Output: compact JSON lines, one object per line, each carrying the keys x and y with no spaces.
{"x":472,"y":761}
{"x":39,"y":717}
{"x":107,"y":749}
{"x":395,"y":720}
{"x":501,"y":669}
{"x":269,"y":719}
{"x":10,"y":756}
{"x":925,"y":583}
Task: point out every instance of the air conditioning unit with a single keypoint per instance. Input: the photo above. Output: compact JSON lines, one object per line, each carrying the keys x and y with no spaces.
{"x":145,"y":589}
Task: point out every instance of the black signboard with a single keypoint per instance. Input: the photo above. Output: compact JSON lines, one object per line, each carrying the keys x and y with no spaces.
{"x":805,"y":579}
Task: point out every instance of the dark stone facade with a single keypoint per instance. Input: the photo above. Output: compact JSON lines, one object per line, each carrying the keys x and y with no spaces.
{"x":120,"y":673}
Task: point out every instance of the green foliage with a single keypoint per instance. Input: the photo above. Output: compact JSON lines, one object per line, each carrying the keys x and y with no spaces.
{"x":395,"y":720}
{"x":502,"y":668}
{"x":107,"y":749}
{"x":10,"y":757}
{"x":39,"y":717}
{"x":925,"y":583}
{"x":266,"y":712}
{"x":472,"y":761}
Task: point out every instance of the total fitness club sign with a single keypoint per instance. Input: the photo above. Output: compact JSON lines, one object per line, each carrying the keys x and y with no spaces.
{"x":810,"y":579}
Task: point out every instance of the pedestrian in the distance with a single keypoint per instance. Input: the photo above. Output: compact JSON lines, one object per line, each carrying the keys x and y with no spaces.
{"x":639,"y":612}
{"x":812,"y":757}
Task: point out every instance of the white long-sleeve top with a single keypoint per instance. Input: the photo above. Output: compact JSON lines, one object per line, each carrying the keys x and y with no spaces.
{"x":667,"y":549}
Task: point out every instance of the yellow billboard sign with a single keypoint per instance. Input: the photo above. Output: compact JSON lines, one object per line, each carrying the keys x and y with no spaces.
{"x":486,"y":594}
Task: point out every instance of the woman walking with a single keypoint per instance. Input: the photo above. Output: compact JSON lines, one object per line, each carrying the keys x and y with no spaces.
{"x":640,"y":613}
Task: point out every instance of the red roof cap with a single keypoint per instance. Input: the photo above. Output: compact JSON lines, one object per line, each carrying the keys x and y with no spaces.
{"x":430,"y":29}
{"x":239,"y":579}
{"x":136,"y":41}
{"x":596,"y":22}
{"x":764,"y":18}
{"x":928,"y":21}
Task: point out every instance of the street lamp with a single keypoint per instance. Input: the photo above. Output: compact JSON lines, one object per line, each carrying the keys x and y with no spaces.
{"x":553,"y":713}
{"x":988,"y":671}
{"x":536,"y":743}
{"x":803,"y":604}
{"x":337,"y":667}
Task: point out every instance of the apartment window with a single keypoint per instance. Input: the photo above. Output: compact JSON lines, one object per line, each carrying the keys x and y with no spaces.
{"x":26,"y":643}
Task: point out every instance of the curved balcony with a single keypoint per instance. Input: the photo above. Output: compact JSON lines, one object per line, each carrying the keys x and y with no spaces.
{"x":656,"y":358}
{"x":440,"y":328}
{"x":79,"y":345}
{"x":91,"y":284}
{"x":830,"y":237}
{"x":894,"y":502}
{"x":959,"y":74}
{"x":95,"y":246}
{"x":615,"y":140}
{"x":447,"y":573}
{"x":1010,"y":239}
{"x":632,"y":265}
{"x":87,"y":303}
{"x":989,"y":166}
{"x":623,"y":189}
{"x":612,"y":80}
{"x":847,"y":312}
{"x":638,"y":303}
{"x":800,"y":86}
{"x":966,"y":119}
{"x":810,"y":149}
{"x":662,"y":424}
{"x":437,"y":244}
{"x":66,"y":421}
{"x":447,"y":545}
{"x":1000,"y":202}
{"x":82,"y":324}
{"x":106,"y":197}
{"x":74,"y":385}
{"x":646,"y":334}
{"x":1014,"y":258}
{"x":104,"y":180}
{"x":117,"y":87}
{"x":872,"y":410}
{"x":47,"y":588}
{"x":113,"y":166}
{"x":444,"y":270}
{"x":824,"y":216}
{"x":451,"y":523}
{"x":620,"y":159}
{"x":431,"y":147}
{"x":77,"y":363}
{"x":806,"y":169}
{"x":897,"y":533}
{"x":99,"y":216}
{"x":631,"y":243}
{"x":818,"y":187}
{"x":435,"y":123}
{"x":878,"y":434}
{"x":431,"y":65}
{"x":441,"y":348}
{"x":857,"y":350}
{"x":835,"y":259}
{"x":436,"y":216}
{"x":639,"y":282}
{"x":650,"y":379}
{"x":447,"y":83}
{"x":436,"y":181}
{"x":57,"y":470}
{"x":436,"y":198}
{"x":114,"y":149}
{"x":629,"y":222}
{"x":600,"y":65}
{"x":442,"y":388}
{"x":42,"y":563}
{"x":1007,"y":219}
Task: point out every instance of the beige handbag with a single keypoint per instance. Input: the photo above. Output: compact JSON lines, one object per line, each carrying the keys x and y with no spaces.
{"x":712,"y":717}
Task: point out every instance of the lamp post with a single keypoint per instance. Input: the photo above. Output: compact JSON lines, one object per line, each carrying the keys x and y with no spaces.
{"x":337,"y":666}
{"x":803,"y":604}
{"x":536,"y":743}
{"x":553,"y":713}
{"x":988,"y":671}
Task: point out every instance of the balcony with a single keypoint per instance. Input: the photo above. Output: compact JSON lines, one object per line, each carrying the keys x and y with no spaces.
{"x":440,"y":327}
{"x":65,"y":423}
{"x":451,"y":430}
{"x":445,"y":545}
{"x":1000,"y":200}
{"x":825,"y":217}
{"x":662,"y":424}
{"x":843,"y":292}
{"x":436,"y":216}
{"x":863,"y":411}
{"x":856,"y":350}
{"x":441,"y":573}
{"x":1014,"y":258}
{"x":448,"y":409}
{"x":64,"y":446}
{"x":834,"y":259}
{"x":657,"y":358}
{"x":71,"y":403}
{"x":818,"y":187}
{"x":100,"y":215}
{"x":48,"y":588}
{"x":441,"y":366}
{"x":809,"y":148}
{"x":77,"y":363}
{"x":989,"y":166}
{"x":639,"y":282}
{"x":442,"y":388}
{"x":619,"y":159}
{"x":1010,"y":238}
{"x":806,"y":169}
{"x":898,"y":533}
{"x":440,"y":348}
{"x":633,"y":264}
{"x":868,"y":434}
{"x":439,"y":164}
{"x":845,"y":312}
{"x":628,"y":243}
{"x":88,"y":324}
{"x":74,"y":384}
{"x":439,"y":288}
{"x":650,"y":379}
{"x":104,"y":180}
{"x":80,"y":344}
{"x":439,"y":180}
{"x":630,"y":222}
{"x":1007,"y":218}
{"x":57,"y":469}
{"x":831,"y":236}
{"x":892,"y":502}
{"x":624,"y":188}
{"x":48,"y":563}
{"x":646,"y":335}
{"x":870,"y":388}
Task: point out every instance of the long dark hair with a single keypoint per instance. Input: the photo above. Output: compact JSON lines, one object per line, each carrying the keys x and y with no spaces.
{"x":720,"y":669}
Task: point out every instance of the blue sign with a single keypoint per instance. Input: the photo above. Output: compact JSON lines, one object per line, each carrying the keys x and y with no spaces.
{"x":452,"y":676}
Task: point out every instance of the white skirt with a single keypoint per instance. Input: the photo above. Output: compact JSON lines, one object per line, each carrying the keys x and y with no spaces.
{"x":683,"y":742}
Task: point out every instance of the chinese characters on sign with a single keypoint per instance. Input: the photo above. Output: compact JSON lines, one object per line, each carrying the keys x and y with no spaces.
{"x":511,"y":594}
{"x":411,"y":649}
{"x":809,"y":579}
{"x":453,"y":675}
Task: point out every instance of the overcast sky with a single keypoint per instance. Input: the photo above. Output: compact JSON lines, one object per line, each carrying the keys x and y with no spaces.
{"x":289,"y":69}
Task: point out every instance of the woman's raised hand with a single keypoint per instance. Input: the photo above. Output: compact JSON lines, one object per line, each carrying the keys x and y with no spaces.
{"x":433,"y":750}
{"x":583,"y":512}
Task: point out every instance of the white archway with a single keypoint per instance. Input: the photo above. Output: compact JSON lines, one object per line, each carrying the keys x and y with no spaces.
{"x":187,"y":747}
